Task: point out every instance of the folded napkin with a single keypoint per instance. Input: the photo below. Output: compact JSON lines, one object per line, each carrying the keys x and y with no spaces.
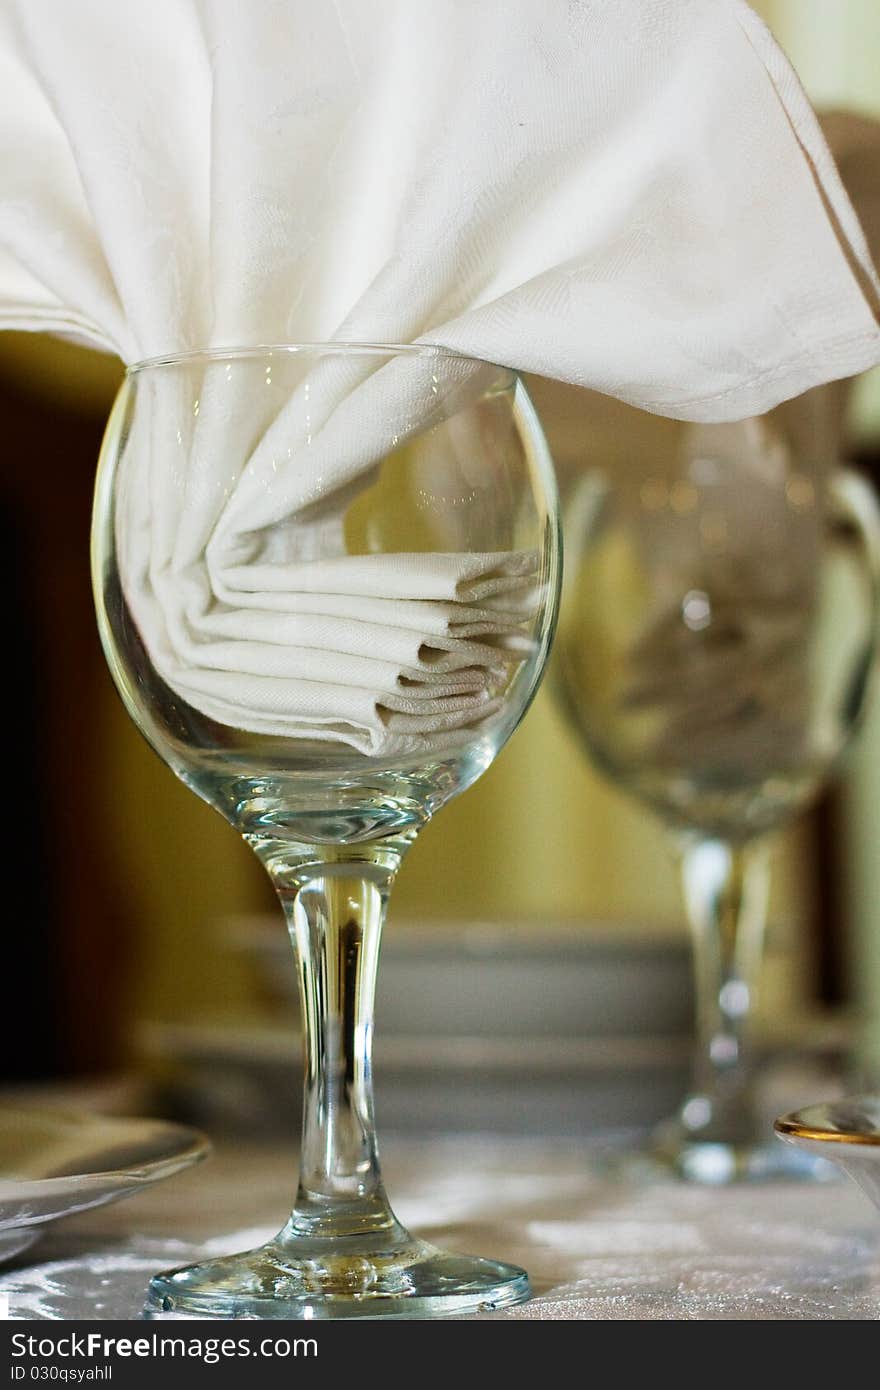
{"x":628,"y":194}
{"x":380,"y":669}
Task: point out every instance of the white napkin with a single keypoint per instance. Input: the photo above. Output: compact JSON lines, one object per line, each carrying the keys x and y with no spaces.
{"x":250,"y":598}
{"x":628,"y":194}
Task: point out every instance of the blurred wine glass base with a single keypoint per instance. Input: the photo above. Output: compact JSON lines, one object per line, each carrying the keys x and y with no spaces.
{"x":390,"y":1275}
{"x":716,"y":1163}
{"x":720,"y":1133}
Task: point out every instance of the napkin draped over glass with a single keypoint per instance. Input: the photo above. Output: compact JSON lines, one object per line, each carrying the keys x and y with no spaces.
{"x":630,"y":195}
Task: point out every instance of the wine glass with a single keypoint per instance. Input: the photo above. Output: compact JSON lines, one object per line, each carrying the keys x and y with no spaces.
{"x":716,"y":635}
{"x":326,"y":580}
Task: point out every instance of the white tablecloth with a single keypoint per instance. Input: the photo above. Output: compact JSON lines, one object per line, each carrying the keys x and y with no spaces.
{"x":595,"y":1245}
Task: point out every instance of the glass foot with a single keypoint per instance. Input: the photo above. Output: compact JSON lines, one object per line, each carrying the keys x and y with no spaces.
{"x":716,"y":1164}
{"x":307,"y":1279}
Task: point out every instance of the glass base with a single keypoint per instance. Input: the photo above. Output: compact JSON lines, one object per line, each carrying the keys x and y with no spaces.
{"x":352,"y":1277}
{"x":716,"y":1164}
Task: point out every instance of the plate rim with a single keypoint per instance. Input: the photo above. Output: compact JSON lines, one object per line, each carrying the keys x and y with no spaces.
{"x":799,"y":1125}
{"x":194,"y":1149}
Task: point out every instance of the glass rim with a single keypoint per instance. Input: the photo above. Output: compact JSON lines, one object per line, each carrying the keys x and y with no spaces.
{"x":343,"y":347}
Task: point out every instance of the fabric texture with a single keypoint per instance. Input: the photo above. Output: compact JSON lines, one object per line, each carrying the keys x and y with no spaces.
{"x":632,"y":196}
{"x":594,"y":1247}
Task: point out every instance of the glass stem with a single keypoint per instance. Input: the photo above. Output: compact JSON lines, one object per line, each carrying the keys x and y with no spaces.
{"x":334,"y":900}
{"x":725,"y":891}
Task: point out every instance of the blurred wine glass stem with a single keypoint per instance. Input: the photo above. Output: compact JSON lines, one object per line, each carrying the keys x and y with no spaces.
{"x":725,"y":890}
{"x":334,"y":899}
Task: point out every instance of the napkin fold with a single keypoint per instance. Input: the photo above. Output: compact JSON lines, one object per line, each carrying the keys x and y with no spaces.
{"x":380,"y":669}
{"x":632,"y":195}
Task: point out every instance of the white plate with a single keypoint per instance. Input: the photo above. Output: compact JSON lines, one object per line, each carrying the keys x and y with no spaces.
{"x":846,"y":1131}
{"x":53,"y":1164}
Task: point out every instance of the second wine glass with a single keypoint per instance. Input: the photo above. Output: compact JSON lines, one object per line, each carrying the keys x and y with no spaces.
{"x":716,"y":637}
